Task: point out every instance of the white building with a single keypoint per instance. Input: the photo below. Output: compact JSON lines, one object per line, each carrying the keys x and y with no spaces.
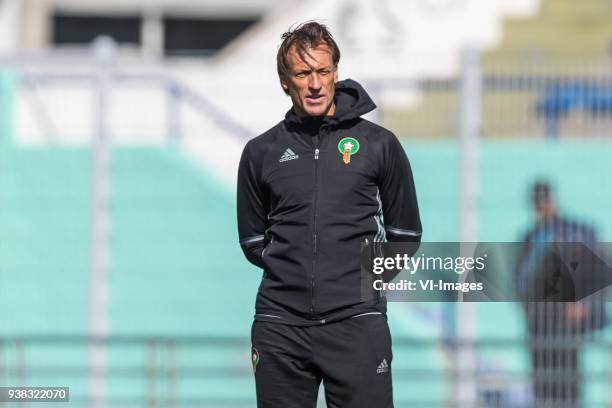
{"x":224,"y":51}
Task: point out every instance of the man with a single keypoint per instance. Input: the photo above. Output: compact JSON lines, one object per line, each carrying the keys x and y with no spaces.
{"x":311,"y":190}
{"x":555,"y":328}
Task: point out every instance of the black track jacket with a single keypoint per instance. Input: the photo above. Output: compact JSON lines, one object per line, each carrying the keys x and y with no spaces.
{"x":310,"y":191}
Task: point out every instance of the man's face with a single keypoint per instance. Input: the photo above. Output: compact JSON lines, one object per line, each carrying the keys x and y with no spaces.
{"x":310,"y":83}
{"x":544,"y":207}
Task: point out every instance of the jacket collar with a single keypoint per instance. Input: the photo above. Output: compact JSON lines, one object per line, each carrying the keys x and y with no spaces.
{"x":351,"y":101}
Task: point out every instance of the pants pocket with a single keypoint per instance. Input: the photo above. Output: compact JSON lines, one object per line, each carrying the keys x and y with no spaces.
{"x":379,"y":337}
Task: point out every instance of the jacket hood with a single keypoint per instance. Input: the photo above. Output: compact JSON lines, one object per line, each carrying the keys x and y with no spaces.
{"x":351,"y":101}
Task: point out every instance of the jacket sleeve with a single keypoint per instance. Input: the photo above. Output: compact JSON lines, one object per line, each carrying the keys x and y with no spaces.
{"x":252,"y":210}
{"x":401,"y":217}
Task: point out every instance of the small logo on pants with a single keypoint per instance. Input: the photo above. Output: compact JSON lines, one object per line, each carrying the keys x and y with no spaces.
{"x":383,"y":367}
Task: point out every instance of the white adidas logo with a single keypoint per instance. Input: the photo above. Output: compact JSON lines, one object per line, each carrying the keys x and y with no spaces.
{"x":383,"y":367}
{"x":288,"y":155}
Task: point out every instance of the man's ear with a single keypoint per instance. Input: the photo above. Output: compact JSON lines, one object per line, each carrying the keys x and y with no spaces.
{"x":335,"y":75}
{"x":285,"y":86}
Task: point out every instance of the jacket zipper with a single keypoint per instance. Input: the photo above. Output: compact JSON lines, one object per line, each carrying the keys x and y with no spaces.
{"x":314,"y":235}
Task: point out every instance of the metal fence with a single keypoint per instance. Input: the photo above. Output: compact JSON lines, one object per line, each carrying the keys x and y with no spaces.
{"x":162,"y":368}
{"x":555,"y":96}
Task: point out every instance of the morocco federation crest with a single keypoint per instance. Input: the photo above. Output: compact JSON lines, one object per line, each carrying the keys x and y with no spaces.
{"x":347,"y":147}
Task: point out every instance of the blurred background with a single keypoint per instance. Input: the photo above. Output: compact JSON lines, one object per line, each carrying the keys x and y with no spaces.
{"x":121,"y":127}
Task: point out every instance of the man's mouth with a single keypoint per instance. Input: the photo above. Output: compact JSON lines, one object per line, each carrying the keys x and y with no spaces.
{"x":314,"y":98}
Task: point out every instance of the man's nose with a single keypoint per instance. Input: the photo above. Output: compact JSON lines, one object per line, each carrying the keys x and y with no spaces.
{"x":314,"y":81}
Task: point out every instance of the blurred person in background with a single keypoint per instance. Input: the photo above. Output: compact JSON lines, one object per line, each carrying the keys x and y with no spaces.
{"x":311,"y":190}
{"x":555,"y":329}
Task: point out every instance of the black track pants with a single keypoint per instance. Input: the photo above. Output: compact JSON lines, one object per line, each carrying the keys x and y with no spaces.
{"x":352,"y":357}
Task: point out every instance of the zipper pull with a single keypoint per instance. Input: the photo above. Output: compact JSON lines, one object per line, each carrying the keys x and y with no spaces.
{"x":316,"y":154}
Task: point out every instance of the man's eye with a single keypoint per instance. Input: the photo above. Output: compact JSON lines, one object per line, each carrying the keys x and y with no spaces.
{"x":301,"y":75}
{"x":324,"y":72}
